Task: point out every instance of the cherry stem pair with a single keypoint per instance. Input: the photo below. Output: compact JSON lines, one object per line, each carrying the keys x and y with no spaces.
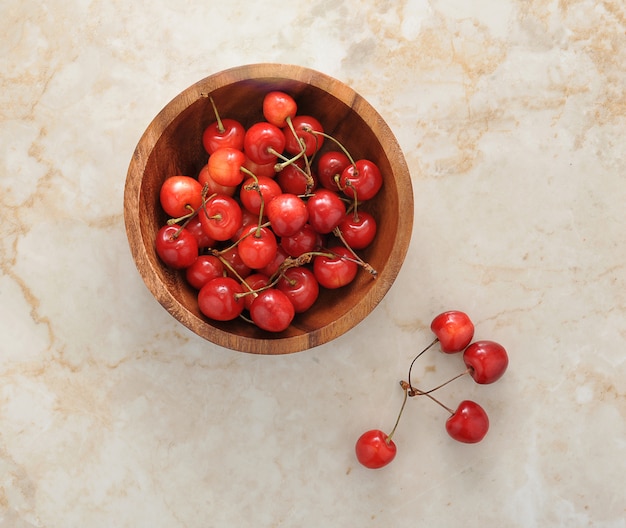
{"x":410,"y":390}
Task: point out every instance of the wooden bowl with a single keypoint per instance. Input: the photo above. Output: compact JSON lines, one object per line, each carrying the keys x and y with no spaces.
{"x":172,"y":145}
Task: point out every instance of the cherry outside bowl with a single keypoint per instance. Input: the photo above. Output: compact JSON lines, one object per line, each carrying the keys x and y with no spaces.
{"x":172,"y":144}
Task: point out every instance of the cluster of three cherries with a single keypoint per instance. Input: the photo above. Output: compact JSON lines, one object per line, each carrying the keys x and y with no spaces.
{"x":485,"y":361}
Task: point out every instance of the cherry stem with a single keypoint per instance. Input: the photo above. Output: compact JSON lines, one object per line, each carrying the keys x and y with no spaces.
{"x":439,"y":403}
{"x":232,"y":269}
{"x":286,"y":161}
{"x":293,"y":130}
{"x":425,"y":393}
{"x":187,"y":218}
{"x":327,"y":136}
{"x":418,"y":392}
{"x":218,"y":252}
{"x":262,"y":206}
{"x":355,"y":200}
{"x":388,"y":439}
{"x":337,"y":232}
{"x":357,"y":260}
{"x":220,"y":125}
{"x":418,"y":356}
{"x":192,"y":212}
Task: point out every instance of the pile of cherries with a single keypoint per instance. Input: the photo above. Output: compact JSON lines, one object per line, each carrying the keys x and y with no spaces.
{"x":270,"y":218}
{"x":485,"y":361}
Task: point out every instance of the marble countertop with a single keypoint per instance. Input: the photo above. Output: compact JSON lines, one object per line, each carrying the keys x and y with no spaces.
{"x":512,"y":118}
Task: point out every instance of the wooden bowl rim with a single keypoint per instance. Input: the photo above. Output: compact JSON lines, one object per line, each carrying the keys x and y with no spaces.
{"x":276,"y":72}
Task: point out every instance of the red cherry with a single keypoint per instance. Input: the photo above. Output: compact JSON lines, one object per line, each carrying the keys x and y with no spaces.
{"x":278,"y":107}
{"x":224,"y":133}
{"x":257,"y":247}
{"x":266,"y":169}
{"x":326,"y":210}
{"x":287,"y":213}
{"x":255,"y":281}
{"x":358,"y":230}
{"x":273,"y":266}
{"x":204,"y":269}
{"x":293,"y":180}
{"x":469,"y":423}
{"x":330,"y":164}
{"x":176,"y":247}
{"x":194,"y":226}
{"x":221,"y":217}
{"x":262,"y":142}
{"x":301,"y":286}
{"x":204,"y":178}
{"x":487,"y":361}
{"x":180,"y":195}
{"x":247,"y":219}
{"x":272,"y":310}
{"x":337,"y":271}
{"x":233,"y":260}
{"x":251,"y":192}
{"x":218,"y":299}
{"x":454,"y":329}
{"x":363,"y":177}
{"x":225,"y":166}
{"x":312,"y":142}
{"x":304,"y":240}
{"x":374,"y":449}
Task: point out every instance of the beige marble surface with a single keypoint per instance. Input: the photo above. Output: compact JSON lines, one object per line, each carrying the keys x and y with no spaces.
{"x":512,"y":116}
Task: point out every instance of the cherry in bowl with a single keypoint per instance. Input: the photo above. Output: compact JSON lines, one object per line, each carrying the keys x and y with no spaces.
{"x":173,"y":145}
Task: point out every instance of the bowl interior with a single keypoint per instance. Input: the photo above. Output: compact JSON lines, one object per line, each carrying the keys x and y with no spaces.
{"x":173,"y":145}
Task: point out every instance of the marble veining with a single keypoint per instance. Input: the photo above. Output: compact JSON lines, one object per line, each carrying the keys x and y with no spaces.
{"x":511,"y":115}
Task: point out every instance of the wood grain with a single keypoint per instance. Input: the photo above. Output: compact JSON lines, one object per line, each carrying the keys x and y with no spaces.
{"x":172,"y":145}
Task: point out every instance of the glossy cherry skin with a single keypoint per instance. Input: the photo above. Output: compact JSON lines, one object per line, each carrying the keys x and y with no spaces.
{"x":221,"y":217}
{"x":204,"y":269}
{"x":225,"y":166}
{"x":276,"y":262}
{"x":231,"y":135}
{"x":326,"y":210}
{"x":254,"y":281}
{"x":469,"y":423}
{"x":374,"y":449}
{"x":261,"y":140}
{"x":233,"y":260}
{"x":257,"y":247}
{"x":176,"y":247}
{"x":255,"y":193}
{"x":272,"y":310}
{"x":305,"y":240}
{"x":180,"y":195}
{"x":247,"y":219}
{"x":312,"y":142}
{"x":217,"y":299}
{"x":194,"y":226}
{"x":454,"y":329}
{"x":301,"y":286}
{"x":287,"y":213}
{"x":358,"y":230}
{"x":265,"y":169}
{"x":204,"y":178}
{"x":335,"y":272}
{"x":487,"y":361}
{"x":293,"y":180}
{"x":278,"y":106}
{"x":363,"y":178}
{"x":330,"y":165}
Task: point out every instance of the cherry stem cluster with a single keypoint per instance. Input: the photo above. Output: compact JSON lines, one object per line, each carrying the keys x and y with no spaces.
{"x":410,"y":390}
